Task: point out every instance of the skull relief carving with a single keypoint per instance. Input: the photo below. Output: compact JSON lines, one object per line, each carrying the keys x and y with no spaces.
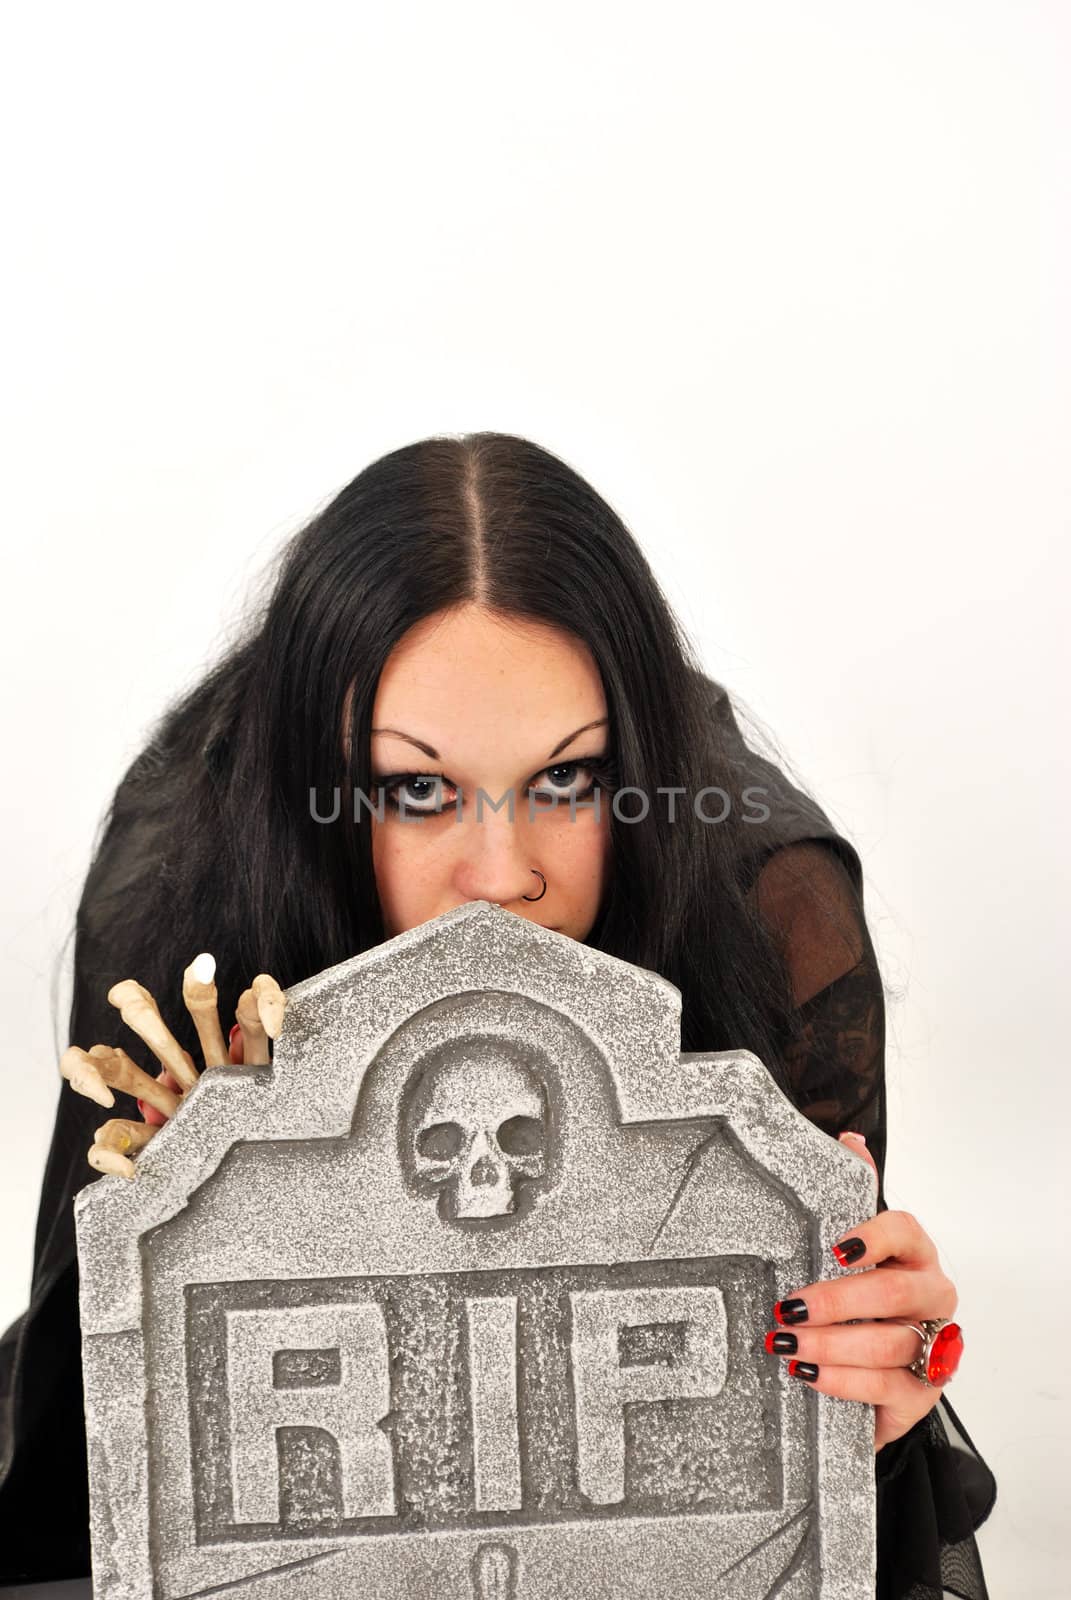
{"x":477,"y":1130}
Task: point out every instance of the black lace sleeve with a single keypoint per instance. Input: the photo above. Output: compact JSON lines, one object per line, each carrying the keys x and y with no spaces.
{"x":933,"y":1488}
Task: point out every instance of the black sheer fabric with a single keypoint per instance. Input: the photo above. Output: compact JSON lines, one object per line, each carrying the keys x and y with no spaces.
{"x":933,"y":1489}
{"x":808,"y":900}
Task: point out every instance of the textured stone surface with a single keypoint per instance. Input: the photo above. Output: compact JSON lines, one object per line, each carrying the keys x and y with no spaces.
{"x":465,"y":1296}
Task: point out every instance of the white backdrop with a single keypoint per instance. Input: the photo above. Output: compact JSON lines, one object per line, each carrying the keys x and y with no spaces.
{"x":788,"y":284}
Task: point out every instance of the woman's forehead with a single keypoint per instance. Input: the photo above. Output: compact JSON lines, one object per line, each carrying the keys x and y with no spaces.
{"x":471,"y":681}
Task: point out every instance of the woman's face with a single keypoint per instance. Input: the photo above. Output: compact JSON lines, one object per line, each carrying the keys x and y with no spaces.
{"x":470,"y":700}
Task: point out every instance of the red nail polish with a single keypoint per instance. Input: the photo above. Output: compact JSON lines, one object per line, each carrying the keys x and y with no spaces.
{"x":789,"y":1312}
{"x":849,"y":1251}
{"x":235,"y":1030}
{"x":803,"y":1369}
{"x":781,"y":1344}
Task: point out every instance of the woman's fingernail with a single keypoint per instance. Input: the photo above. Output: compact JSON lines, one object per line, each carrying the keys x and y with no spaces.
{"x":790,"y":1311}
{"x":849,"y":1250}
{"x":803,"y":1369}
{"x":781,"y":1344}
{"x":860,"y":1138}
{"x":234,"y":1031}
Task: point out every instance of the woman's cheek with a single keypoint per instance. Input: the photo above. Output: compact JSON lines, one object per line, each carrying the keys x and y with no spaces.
{"x":411,"y":889}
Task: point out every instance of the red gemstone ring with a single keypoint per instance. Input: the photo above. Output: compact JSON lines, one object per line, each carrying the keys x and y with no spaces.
{"x":942,"y":1347}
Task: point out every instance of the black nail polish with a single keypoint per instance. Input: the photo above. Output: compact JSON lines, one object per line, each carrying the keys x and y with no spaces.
{"x":803,"y":1369}
{"x":790,"y":1311}
{"x":849,"y":1251}
{"x":782,"y":1344}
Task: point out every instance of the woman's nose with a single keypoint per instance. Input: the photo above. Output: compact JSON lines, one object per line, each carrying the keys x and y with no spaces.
{"x":496,"y":862}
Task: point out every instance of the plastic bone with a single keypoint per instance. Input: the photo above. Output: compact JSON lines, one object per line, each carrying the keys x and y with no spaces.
{"x":271,"y":1003}
{"x":202,"y":1002}
{"x":255,"y":1051}
{"x":141,"y":1014}
{"x":98,"y":1071}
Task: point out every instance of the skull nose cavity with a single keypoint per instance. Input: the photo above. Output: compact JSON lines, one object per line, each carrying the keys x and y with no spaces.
{"x":484,"y":1172}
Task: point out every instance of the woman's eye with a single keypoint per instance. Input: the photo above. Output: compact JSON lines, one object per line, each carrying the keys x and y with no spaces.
{"x":421,"y":793}
{"x":563,"y":780}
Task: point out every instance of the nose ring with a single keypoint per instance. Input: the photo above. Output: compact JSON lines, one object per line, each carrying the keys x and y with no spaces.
{"x":542,"y":891}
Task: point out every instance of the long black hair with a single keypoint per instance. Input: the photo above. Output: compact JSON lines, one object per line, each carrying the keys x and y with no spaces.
{"x":210,"y":842}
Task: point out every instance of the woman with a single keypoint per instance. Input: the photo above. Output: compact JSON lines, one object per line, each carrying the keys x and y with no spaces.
{"x":469,"y":614}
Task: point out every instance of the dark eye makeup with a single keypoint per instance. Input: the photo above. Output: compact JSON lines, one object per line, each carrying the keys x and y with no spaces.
{"x":427,"y":802}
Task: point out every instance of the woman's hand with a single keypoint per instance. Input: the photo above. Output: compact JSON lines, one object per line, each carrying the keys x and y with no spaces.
{"x":870,"y":1361}
{"x":97,"y":1072}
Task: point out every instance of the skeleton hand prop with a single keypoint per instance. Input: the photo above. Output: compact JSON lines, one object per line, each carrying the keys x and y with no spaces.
{"x":255,"y":1051}
{"x":271,"y":1004}
{"x":105,"y":1160}
{"x":108,"y":1153}
{"x":98,"y":1071}
{"x":199,"y":993}
{"x":141,"y":1014}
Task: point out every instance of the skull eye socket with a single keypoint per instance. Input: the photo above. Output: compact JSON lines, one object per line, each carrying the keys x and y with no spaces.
{"x":521,"y":1136}
{"x":441,"y":1142}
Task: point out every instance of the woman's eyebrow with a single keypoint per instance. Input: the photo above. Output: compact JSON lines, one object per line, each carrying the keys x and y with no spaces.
{"x":435,"y":756}
{"x":600,"y":723}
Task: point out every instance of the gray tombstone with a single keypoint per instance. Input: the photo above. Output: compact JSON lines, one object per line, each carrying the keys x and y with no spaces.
{"x":465,"y":1297}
